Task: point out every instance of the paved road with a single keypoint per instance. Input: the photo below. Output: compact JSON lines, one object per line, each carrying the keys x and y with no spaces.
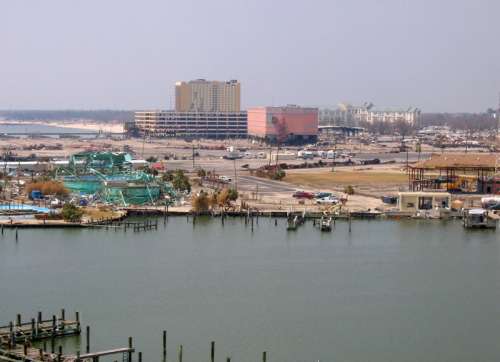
{"x":263,"y":186}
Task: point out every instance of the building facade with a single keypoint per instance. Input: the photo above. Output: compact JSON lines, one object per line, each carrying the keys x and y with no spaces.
{"x":289,"y":124}
{"x":208,"y":96}
{"x":350,"y":115}
{"x":192,"y":124}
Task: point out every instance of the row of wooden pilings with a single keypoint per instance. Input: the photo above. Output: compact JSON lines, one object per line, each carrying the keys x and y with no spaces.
{"x":39,"y":330}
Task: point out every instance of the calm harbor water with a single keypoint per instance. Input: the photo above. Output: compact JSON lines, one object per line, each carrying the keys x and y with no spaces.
{"x":388,"y":291}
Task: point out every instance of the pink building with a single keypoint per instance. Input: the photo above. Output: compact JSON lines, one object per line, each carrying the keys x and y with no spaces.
{"x":290,"y":124}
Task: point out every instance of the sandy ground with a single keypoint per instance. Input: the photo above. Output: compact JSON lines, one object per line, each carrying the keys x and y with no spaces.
{"x":115,"y":127}
{"x":376,"y":181}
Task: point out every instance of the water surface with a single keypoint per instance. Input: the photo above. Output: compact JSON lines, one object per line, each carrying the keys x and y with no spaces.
{"x":388,"y":291}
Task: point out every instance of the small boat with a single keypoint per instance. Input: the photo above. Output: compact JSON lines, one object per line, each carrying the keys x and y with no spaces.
{"x":480,"y":219}
{"x":295,"y":220}
{"x":325,"y":224}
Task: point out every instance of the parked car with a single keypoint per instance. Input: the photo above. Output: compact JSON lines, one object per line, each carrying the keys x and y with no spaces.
{"x":329,"y":200}
{"x":303,"y":195}
{"x":321,"y":195}
{"x":225,"y":178}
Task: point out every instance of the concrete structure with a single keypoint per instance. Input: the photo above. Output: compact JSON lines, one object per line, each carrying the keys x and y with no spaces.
{"x":208,"y":96}
{"x":349,"y":115}
{"x":290,"y":124}
{"x":422,"y":201}
{"x":192,"y":124}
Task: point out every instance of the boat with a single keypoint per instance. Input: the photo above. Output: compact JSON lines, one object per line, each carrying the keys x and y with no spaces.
{"x":294,"y":220}
{"x":480,"y":219}
{"x":325,"y":223}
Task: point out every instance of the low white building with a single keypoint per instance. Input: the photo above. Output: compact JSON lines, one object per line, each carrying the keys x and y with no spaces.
{"x":348,"y":114}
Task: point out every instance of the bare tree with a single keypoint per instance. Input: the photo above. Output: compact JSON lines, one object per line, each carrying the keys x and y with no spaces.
{"x":281,"y":130}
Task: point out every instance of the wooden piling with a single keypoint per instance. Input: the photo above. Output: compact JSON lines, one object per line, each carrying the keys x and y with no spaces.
{"x":18,"y":320}
{"x":275,"y":222}
{"x":33,"y":328}
{"x":130,"y":345}
{"x":212,"y":351}
{"x":180,"y":353}
{"x":139,"y":357}
{"x":87,"y":339}
{"x":164,"y":345}
{"x":17,"y":237}
{"x":350,"y":227}
{"x":264,"y":356}
{"x":63,"y":318}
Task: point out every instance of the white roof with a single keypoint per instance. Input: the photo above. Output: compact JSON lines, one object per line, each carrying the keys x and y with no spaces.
{"x":477,"y":211}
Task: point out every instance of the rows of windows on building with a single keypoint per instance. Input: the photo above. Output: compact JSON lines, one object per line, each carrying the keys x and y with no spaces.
{"x":352,"y":116}
{"x":213,"y":109}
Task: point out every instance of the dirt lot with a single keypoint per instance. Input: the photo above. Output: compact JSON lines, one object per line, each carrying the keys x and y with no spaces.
{"x":374,"y":181}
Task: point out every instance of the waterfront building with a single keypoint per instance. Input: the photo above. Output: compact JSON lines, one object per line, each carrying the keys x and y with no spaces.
{"x":192,"y":124}
{"x":208,"y":96}
{"x":350,"y":115}
{"x":289,"y":124}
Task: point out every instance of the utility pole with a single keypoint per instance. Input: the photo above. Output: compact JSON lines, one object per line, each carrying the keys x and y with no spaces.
{"x":235,"y":176}
{"x":334,"y":155}
{"x":143,"y":141}
{"x":193,"y":157}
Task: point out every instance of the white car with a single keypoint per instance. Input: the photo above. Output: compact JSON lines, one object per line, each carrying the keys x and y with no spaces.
{"x":225,"y":178}
{"x":329,"y":200}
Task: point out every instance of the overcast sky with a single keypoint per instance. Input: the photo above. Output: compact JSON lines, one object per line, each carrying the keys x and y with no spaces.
{"x":439,"y":55}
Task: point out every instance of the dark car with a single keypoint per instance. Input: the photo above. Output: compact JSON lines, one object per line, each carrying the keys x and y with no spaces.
{"x":303,"y":195}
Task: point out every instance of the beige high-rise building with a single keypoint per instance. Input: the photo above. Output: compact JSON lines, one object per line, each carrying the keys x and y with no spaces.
{"x":207,"y":96}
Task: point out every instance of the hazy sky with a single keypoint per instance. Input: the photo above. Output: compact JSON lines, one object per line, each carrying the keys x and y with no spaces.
{"x":439,"y":55}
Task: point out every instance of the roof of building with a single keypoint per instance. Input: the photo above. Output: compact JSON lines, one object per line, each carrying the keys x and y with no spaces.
{"x":459,"y":160}
{"x":425,"y":193}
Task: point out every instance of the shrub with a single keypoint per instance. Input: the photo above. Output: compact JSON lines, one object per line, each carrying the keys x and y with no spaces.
{"x":200,"y":202}
{"x":180,"y":181}
{"x":279,"y":174}
{"x":349,"y":190}
{"x":233,"y":194}
{"x":201,"y":172}
{"x":168,"y":176}
{"x":71,"y":213}
{"x":48,"y":188}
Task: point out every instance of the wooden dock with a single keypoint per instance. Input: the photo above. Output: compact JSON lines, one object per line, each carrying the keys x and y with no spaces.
{"x":39,"y":329}
{"x":17,"y":341}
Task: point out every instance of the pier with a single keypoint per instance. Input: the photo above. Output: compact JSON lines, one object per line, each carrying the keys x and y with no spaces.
{"x":21,"y":342}
{"x":17,"y":341}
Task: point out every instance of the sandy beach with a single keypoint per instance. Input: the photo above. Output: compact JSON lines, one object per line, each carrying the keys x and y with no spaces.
{"x":115,"y":127}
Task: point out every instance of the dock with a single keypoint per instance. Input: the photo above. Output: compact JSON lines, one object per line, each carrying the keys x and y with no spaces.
{"x":27,"y":342}
{"x":18,"y":341}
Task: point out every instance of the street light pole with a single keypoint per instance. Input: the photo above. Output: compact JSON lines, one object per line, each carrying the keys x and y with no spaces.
{"x":235,"y":176}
